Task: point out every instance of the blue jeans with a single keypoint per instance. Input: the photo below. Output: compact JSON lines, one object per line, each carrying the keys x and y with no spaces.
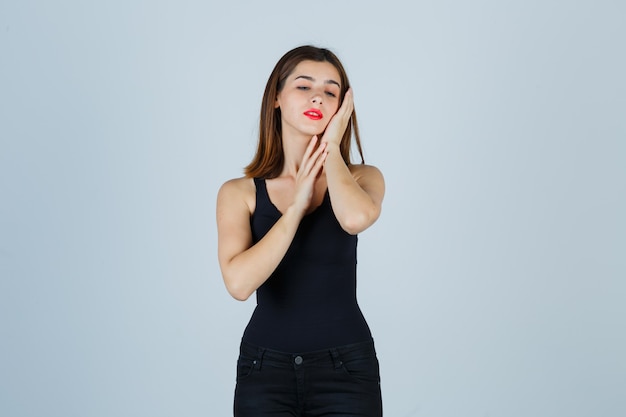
{"x":341,"y":381}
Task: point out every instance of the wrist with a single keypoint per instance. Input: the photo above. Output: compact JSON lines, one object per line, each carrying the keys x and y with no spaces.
{"x":332,"y":147}
{"x":294,"y":211}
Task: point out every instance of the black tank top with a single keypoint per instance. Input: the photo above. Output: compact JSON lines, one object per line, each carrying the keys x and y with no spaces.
{"x":309,"y":302}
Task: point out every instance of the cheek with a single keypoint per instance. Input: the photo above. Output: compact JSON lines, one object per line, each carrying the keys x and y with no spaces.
{"x":334,"y":109}
{"x":326,"y":122}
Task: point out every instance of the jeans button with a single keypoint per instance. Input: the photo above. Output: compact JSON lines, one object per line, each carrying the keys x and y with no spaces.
{"x":298,"y":360}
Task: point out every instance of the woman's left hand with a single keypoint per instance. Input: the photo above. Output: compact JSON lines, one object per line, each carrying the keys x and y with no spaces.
{"x":339,"y":122}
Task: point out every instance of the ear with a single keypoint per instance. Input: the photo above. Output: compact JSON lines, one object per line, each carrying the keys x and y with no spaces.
{"x":276,"y":103}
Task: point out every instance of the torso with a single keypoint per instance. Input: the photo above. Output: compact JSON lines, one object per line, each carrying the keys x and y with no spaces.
{"x":309,"y":302}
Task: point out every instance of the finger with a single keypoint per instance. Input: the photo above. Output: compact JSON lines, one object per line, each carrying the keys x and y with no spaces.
{"x":313,"y":159}
{"x":319,"y":164}
{"x":348,"y":103}
{"x":309,"y":150}
{"x":311,"y":147}
{"x":340,"y":119}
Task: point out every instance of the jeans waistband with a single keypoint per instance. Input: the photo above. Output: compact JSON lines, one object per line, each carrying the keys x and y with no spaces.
{"x":334,"y":355}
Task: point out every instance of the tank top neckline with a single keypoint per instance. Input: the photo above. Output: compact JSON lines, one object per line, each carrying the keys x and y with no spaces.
{"x":263,"y":189}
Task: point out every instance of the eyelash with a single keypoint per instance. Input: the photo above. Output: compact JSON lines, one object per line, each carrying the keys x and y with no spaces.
{"x":304,"y":88}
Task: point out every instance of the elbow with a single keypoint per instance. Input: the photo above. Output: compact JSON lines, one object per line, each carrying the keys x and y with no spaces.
{"x":236,"y":288}
{"x":238,"y":292}
{"x":355,"y":223}
{"x":235,"y":285}
{"x":240,"y":296}
{"x":352,"y":227}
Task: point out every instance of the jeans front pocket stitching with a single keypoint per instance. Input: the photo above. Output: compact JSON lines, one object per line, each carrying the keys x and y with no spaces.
{"x":245,"y":367}
{"x":368,"y":373}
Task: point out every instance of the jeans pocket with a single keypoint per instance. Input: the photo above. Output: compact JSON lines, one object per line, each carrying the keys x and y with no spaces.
{"x":364,"y":369}
{"x":245,"y":366}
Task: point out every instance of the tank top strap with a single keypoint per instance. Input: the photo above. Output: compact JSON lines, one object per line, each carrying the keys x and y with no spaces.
{"x":263,"y":201}
{"x":258,"y":183}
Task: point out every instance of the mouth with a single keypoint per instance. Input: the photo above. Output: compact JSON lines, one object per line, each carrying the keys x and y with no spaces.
{"x":313,"y":114}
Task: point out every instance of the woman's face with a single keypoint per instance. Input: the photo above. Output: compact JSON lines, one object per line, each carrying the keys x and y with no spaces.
{"x":309,"y":98}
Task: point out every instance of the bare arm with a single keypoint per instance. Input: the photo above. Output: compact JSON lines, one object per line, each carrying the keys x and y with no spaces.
{"x":246,"y":266}
{"x":356,"y":192}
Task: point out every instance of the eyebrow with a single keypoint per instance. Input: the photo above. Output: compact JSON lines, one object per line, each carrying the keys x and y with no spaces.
{"x":309,"y":78}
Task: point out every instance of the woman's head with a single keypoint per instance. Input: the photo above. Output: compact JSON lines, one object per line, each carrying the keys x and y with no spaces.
{"x":268,"y":161}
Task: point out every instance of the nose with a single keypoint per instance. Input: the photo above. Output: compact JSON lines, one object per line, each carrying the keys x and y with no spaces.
{"x":317,"y":99}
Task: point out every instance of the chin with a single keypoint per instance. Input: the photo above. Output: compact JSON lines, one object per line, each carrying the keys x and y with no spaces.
{"x":314,"y":130}
{"x":320,"y":132}
{"x":314,"y":133}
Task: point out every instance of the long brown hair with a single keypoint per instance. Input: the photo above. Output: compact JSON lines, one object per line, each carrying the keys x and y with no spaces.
{"x":269,"y":159}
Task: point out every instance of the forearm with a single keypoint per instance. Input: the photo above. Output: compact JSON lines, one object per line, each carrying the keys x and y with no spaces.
{"x":248,"y":270}
{"x":353,"y":207}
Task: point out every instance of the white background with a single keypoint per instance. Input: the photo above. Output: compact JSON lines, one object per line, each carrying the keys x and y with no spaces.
{"x":494,"y":282}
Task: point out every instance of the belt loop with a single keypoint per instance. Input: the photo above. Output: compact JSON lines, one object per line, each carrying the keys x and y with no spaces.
{"x":336,"y":359}
{"x":259,"y":354}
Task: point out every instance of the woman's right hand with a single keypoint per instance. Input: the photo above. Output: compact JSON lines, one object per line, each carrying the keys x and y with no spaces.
{"x":308,"y":173}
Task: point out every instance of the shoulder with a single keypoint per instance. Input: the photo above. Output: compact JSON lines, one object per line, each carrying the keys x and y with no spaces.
{"x":237,"y":185}
{"x":363,"y":172}
{"x":236,"y":192}
{"x":370,"y":179}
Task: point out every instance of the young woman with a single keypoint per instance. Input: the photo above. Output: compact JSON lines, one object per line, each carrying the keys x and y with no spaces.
{"x":288,"y":230}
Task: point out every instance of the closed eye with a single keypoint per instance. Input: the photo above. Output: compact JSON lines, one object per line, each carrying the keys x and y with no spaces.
{"x":302,"y":87}
{"x":331,"y":94}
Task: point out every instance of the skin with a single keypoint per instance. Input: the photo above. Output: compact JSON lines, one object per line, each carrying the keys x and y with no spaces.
{"x":312,"y":165}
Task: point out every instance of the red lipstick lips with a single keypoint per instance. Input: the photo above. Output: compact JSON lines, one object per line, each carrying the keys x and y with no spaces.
{"x":313,"y":114}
